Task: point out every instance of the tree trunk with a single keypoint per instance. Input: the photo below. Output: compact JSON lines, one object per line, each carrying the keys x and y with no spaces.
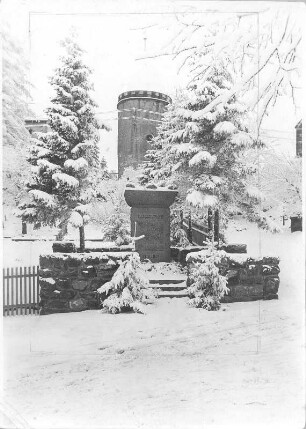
{"x":216,"y":227}
{"x":189,"y":235}
{"x":62,"y":232}
{"x":181,"y":219}
{"x":82,"y":238}
{"x":24,"y":228}
{"x":210,"y":223}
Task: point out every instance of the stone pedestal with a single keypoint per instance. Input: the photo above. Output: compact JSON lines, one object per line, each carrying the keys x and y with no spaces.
{"x":150,"y":216}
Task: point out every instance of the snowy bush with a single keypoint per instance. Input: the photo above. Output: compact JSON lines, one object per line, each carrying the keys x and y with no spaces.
{"x":208,"y":286}
{"x":129,"y":289}
{"x":117,"y":228}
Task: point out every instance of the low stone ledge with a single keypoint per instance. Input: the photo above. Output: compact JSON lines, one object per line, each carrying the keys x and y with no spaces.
{"x":69,"y":281}
{"x":179,"y":254}
{"x":64,"y":247}
{"x":234,"y":248}
{"x":123,"y":248}
{"x":70,"y":247}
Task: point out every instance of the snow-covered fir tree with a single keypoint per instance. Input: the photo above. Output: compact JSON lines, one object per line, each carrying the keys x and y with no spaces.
{"x":129,"y":289}
{"x":208,"y":285}
{"x":65,"y":162}
{"x":205,"y":153}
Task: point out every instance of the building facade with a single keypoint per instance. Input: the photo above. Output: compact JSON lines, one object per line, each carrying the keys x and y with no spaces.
{"x":139,"y":115}
{"x":37,"y":125}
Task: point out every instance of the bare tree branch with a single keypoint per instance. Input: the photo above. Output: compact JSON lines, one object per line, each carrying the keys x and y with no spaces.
{"x":146,"y":57}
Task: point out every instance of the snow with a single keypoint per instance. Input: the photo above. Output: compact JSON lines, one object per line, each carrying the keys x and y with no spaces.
{"x":184,"y":149}
{"x":62,"y":92}
{"x":29,"y":211}
{"x":49,"y":280}
{"x":65,"y":179}
{"x":57,"y":107}
{"x":40,"y":152}
{"x":84,"y":109}
{"x":46,"y":164}
{"x":78,"y":91}
{"x":42,"y":196}
{"x":176,"y":367}
{"x":24,"y":253}
{"x":225,"y":127}
{"x":76,"y":164}
{"x":83,"y":208}
{"x":82,"y":146}
{"x":203,"y":156}
{"x":242,"y":139}
{"x":192,"y":127}
{"x":198,"y":199}
{"x":76,"y":219}
{"x":67,"y":123}
{"x":255,"y":192}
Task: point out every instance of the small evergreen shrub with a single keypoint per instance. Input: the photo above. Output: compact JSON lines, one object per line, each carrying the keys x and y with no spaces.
{"x":208,"y":285}
{"x":117,"y":228}
{"x":129,"y":289}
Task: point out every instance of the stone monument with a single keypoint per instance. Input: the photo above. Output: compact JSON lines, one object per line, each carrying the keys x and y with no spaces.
{"x":150,"y":217}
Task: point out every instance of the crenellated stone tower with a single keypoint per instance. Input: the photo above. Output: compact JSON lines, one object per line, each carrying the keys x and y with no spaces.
{"x":139,"y":115}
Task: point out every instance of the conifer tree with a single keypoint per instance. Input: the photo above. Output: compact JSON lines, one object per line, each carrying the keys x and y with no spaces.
{"x":129,"y":289}
{"x":65,"y":161}
{"x":205,"y":154}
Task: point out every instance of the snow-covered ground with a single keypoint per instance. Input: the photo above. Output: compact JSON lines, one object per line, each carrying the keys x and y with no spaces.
{"x":26,"y":252}
{"x":175,"y":367}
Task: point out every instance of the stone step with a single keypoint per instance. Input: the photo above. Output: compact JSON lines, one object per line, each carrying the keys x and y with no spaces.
{"x":167,"y":280}
{"x":173,"y":294}
{"x":169,"y":287}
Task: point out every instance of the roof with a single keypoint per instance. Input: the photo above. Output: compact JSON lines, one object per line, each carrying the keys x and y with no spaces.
{"x":144,"y":94}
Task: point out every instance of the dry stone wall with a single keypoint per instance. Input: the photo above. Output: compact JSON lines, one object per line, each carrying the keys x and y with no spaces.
{"x":249,"y":278}
{"x":69,"y":281}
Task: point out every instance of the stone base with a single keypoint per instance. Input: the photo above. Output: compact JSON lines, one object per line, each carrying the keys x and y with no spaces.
{"x":249,"y":279}
{"x":69,"y":281}
{"x":296,"y":223}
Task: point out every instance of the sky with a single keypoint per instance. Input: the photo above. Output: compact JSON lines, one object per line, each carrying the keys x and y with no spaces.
{"x":115,"y":35}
